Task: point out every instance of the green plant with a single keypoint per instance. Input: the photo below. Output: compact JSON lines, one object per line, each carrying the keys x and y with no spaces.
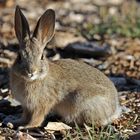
{"x":125,"y":23}
{"x":92,"y":133}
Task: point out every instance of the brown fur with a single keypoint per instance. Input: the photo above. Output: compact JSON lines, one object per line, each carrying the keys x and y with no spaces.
{"x":73,"y":89}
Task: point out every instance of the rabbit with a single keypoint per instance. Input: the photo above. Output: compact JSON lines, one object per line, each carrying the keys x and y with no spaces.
{"x":73,"y":89}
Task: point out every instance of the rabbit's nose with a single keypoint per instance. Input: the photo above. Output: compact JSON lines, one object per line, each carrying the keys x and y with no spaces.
{"x":31,"y":70}
{"x":32,"y":74}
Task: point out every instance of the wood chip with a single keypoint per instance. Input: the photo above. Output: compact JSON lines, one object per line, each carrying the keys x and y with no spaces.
{"x":24,"y":136}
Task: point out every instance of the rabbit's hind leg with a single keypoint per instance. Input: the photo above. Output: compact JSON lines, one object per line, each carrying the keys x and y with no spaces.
{"x":100,"y":111}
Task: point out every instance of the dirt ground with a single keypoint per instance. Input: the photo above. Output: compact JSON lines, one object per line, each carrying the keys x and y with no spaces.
{"x":117,"y":55}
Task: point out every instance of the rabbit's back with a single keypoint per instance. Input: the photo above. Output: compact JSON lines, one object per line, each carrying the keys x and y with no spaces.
{"x":79,"y":73}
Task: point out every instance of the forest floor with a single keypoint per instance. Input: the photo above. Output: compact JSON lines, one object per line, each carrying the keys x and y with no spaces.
{"x":102,"y":34}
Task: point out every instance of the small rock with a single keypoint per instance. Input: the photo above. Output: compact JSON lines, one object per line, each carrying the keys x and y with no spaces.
{"x":10,"y":125}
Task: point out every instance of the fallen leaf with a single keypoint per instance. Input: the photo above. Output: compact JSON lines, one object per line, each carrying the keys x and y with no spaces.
{"x":57,"y":126}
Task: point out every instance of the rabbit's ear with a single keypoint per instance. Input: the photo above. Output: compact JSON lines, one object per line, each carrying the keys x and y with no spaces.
{"x":44,"y":30}
{"x":21,"y":26}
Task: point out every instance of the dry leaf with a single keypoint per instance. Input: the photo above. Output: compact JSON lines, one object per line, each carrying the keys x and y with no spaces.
{"x":57,"y":126}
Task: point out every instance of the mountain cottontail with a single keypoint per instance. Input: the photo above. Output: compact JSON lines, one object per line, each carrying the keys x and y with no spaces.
{"x":76,"y":91}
